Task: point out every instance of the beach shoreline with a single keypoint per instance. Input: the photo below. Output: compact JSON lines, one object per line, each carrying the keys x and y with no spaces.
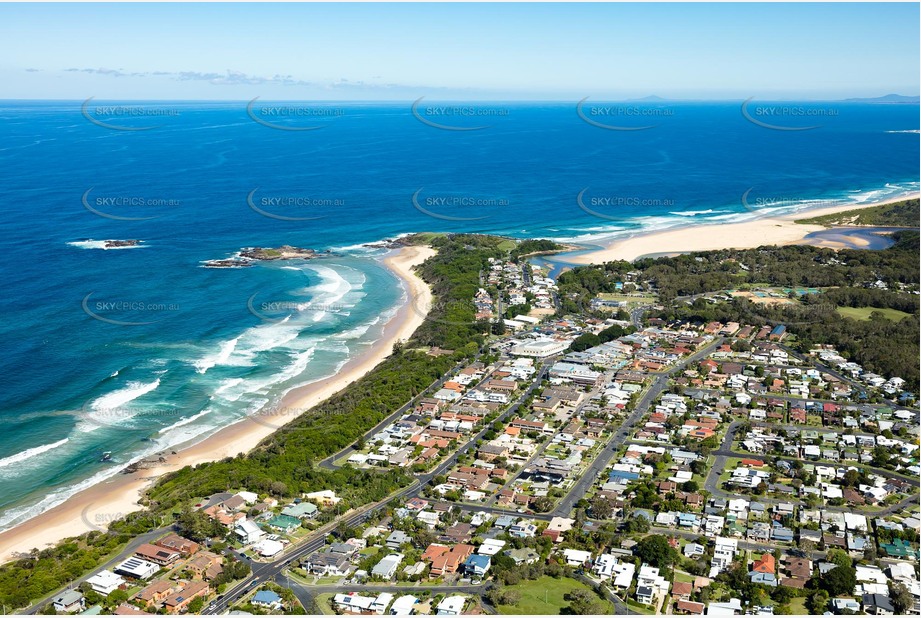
{"x":770,"y":230}
{"x":96,"y":506}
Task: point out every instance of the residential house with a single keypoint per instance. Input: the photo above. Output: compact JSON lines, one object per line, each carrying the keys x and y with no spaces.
{"x":68,"y":602}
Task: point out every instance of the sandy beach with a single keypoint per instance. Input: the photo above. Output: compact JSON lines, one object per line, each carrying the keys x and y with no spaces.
{"x":93,"y":508}
{"x":778,"y":230}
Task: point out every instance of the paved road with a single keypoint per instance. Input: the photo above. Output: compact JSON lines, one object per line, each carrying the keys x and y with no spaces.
{"x":725,"y":451}
{"x":263,"y":571}
{"x":329,"y":464}
{"x":126,"y":553}
{"x":307,"y":594}
{"x":652,"y":392}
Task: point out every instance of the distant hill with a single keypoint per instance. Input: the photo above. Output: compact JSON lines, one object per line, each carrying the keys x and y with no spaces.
{"x":889,"y":98}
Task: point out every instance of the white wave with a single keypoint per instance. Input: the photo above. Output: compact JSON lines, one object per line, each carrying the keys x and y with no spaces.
{"x":101,"y":244}
{"x":227,"y":384}
{"x":32,"y":452}
{"x":915,"y":131}
{"x":297,"y":366}
{"x":202,"y":365}
{"x":693,"y":213}
{"x":118,"y":398}
{"x":13,"y":517}
{"x":185,"y":421}
{"x":358,"y":331}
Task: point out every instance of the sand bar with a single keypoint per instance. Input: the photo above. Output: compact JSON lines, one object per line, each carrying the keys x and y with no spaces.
{"x":777,"y":230}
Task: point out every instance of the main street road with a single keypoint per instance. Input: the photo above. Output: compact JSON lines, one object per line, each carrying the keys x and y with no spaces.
{"x":711,"y":484}
{"x":659,"y":384}
{"x":123,"y":555}
{"x":263,"y":571}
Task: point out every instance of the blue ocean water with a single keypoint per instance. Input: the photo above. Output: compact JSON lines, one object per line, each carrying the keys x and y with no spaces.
{"x":176,"y":350}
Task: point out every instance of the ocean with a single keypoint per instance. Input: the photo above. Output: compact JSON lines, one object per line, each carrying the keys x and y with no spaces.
{"x":133,"y":351}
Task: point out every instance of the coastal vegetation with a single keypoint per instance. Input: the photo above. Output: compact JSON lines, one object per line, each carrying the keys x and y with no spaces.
{"x":818,"y":282}
{"x":905,"y":213}
{"x":284,"y":464}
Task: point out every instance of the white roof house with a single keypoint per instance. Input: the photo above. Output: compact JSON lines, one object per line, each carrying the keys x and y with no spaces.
{"x":404,"y":605}
{"x":354,"y":602}
{"x":137,"y":568}
{"x":104,"y":582}
{"x":576,"y":557}
{"x":248,"y":531}
{"x":490,"y":547}
{"x":387,"y":567}
{"x":381,"y":603}
{"x":451,"y":606}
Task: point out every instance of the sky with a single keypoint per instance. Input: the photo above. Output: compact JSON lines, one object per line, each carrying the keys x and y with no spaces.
{"x":377,"y":52}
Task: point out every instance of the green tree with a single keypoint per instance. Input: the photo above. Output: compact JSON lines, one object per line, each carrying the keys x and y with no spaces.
{"x":817,"y":602}
{"x":901,"y":597}
{"x":655,"y":550}
{"x":583,"y":603}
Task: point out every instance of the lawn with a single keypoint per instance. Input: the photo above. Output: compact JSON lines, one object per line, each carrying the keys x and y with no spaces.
{"x":731,"y":464}
{"x":863,"y":313}
{"x":681,"y":576}
{"x":324,"y":603}
{"x":544,"y":596}
{"x":798,"y":607}
{"x":640,"y":608}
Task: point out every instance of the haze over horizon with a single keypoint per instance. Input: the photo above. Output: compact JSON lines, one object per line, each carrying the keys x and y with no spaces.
{"x":510,"y":52}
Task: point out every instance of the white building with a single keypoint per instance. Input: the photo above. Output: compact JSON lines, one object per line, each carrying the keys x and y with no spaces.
{"x":540,"y":348}
{"x":650,"y":585}
{"x":620,"y":574}
{"x":387,"y":567}
{"x":404,"y":606}
{"x":723,"y":553}
{"x":137,"y":568}
{"x":451,"y":606}
{"x":269,"y":548}
{"x":105,"y":582}
{"x":248,"y":532}
{"x":355,"y":603}
{"x":381,"y":603}
{"x":576,"y":557}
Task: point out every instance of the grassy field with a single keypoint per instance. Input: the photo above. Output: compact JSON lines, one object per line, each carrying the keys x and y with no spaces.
{"x":863,"y":313}
{"x":638,"y":298}
{"x":731,"y":464}
{"x":544,"y":596}
{"x":798,"y":607}
{"x":681,"y":576}
{"x":324,"y":603}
